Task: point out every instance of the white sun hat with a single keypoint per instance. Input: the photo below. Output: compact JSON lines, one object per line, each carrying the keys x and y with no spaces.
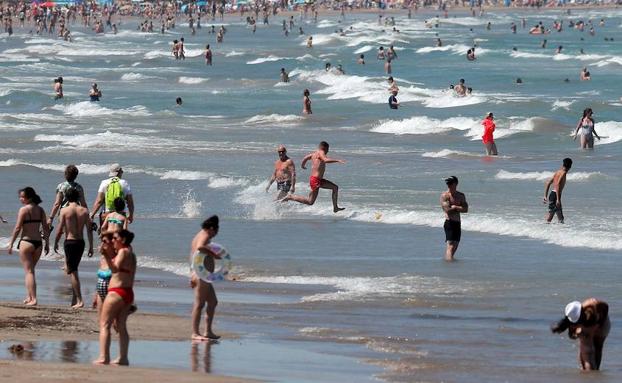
{"x":573,"y":311}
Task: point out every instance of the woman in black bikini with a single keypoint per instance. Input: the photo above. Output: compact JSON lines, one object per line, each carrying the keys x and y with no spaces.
{"x":32,"y":228}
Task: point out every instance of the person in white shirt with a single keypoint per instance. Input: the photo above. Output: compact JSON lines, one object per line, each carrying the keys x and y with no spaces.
{"x":116,"y":172}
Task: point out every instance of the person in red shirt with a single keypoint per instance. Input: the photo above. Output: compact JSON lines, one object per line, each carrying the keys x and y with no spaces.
{"x":487,"y":138}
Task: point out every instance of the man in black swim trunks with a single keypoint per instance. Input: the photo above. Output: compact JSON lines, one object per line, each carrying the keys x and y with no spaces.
{"x":556,"y":184}
{"x":453,"y":203}
{"x":284,"y":174}
{"x":74,"y":219}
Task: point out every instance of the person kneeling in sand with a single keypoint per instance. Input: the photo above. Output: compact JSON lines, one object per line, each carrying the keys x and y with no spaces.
{"x":588,"y":322}
{"x":204,"y":291}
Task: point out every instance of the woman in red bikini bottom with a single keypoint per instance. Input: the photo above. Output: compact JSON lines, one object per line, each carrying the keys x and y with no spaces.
{"x":117,"y":305}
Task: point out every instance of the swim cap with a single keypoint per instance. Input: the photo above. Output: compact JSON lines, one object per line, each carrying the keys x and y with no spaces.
{"x":573,"y":311}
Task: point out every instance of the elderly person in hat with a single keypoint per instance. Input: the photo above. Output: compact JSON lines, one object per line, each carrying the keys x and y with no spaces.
{"x":487,"y":138}
{"x":588,"y":322}
{"x":110,"y":189}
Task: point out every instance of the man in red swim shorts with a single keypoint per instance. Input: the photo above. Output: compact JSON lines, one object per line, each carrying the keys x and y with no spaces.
{"x":317,"y":181}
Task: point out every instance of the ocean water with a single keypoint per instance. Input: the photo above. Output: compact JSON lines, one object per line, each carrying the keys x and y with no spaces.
{"x":370,"y":277}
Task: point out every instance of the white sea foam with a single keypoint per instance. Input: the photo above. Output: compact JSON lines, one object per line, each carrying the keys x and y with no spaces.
{"x":363,"y":49}
{"x":448,"y":153}
{"x":93,"y":109}
{"x":133,"y":77}
{"x":278,"y":119}
{"x":190,"y":207}
{"x":226,"y":182}
{"x":234,"y":54}
{"x":611,"y":130}
{"x":559,"y":104}
{"x":362,"y":288}
{"x":529,"y":55}
{"x":543,"y":176}
{"x":270,"y":58}
{"x":191,"y":80}
{"x":454,"y":49}
{"x":423,"y":125}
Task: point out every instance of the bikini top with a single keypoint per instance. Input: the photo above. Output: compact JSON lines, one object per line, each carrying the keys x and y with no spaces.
{"x":30,"y":220}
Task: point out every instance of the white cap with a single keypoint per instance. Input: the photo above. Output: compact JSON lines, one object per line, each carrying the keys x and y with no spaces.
{"x":573,"y":311}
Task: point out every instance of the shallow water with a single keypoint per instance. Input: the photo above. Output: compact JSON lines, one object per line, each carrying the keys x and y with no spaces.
{"x":370,"y":276}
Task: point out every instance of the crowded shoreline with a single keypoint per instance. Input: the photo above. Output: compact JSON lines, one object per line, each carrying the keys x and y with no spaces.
{"x":188,"y":213}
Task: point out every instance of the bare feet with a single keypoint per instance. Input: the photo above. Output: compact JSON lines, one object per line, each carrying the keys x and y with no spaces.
{"x":78,"y":305}
{"x":198,"y":337}
{"x":101,"y":361}
{"x":32,"y":302}
{"x":338,"y":209}
{"x":211,"y":335}
{"x":120,"y":362}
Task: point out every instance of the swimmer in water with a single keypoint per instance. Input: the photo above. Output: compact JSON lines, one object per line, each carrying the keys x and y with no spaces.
{"x":208,"y":55}
{"x":471,"y":54}
{"x":361,"y":59}
{"x":585,"y":75}
{"x":460,"y":88}
{"x":392,"y":85}
{"x":339,"y":69}
{"x":178,"y":101}
{"x":554,"y":198}
{"x":306,"y":102}
{"x":393,"y":103}
{"x":284,"y":174}
{"x":317,"y":181}
{"x":58,"y":88}
{"x":559,"y":49}
{"x":381,"y":55}
{"x":95,"y":93}
{"x":586,"y":127}
{"x":387,"y":66}
{"x":284,"y":75}
{"x":310,"y":42}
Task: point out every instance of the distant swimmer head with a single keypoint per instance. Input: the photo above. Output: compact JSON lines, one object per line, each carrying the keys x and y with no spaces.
{"x":514,"y":49}
{"x":282,"y":70}
{"x":94,"y":86}
{"x":469,"y":90}
{"x":381,"y":49}
{"x":573,"y":311}
{"x":490,"y":115}
{"x":461,"y":81}
{"x":567,"y":163}
{"x":306,"y":92}
{"x":281,"y":150}
{"x":451,"y":181}
{"x":60,"y":79}
{"x":566,"y":80}
{"x":179,"y":101}
{"x":390,"y":79}
{"x":323,"y":146}
{"x":327,"y":66}
{"x":519,"y":80}
{"x":587,"y":112}
{"x":362,"y":56}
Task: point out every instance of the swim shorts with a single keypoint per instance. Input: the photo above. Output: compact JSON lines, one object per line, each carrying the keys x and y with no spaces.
{"x":283,"y":186}
{"x":315,"y":183}
{"x":453,"y":231}
{"x":553,"y":203}
{"x":73,"y":254}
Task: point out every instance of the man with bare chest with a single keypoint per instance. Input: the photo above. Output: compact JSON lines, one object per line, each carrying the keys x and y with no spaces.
{"x":319,"y":159}
{"x":284,"y":174}
{"x":453,"y":203}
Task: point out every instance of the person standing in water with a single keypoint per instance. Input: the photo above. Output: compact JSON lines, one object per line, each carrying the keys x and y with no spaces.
{"x":208,"y":55}
{"x":204,"y":292}
{"x":284,"y":174}
{"x":554,"y":198}
{"x":453,"y":203}
{"x":284,"y":76}
{"x":58,"y":88}
{"x":586,"y":127}
{"x":306,"y":102}
{"x":393,"y":103}
{"x":319,"y":160}
{"x":588,"y":322}
{"x":487,"y":138}
{"x":95,"y":94}
{"x":73,"y":220}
